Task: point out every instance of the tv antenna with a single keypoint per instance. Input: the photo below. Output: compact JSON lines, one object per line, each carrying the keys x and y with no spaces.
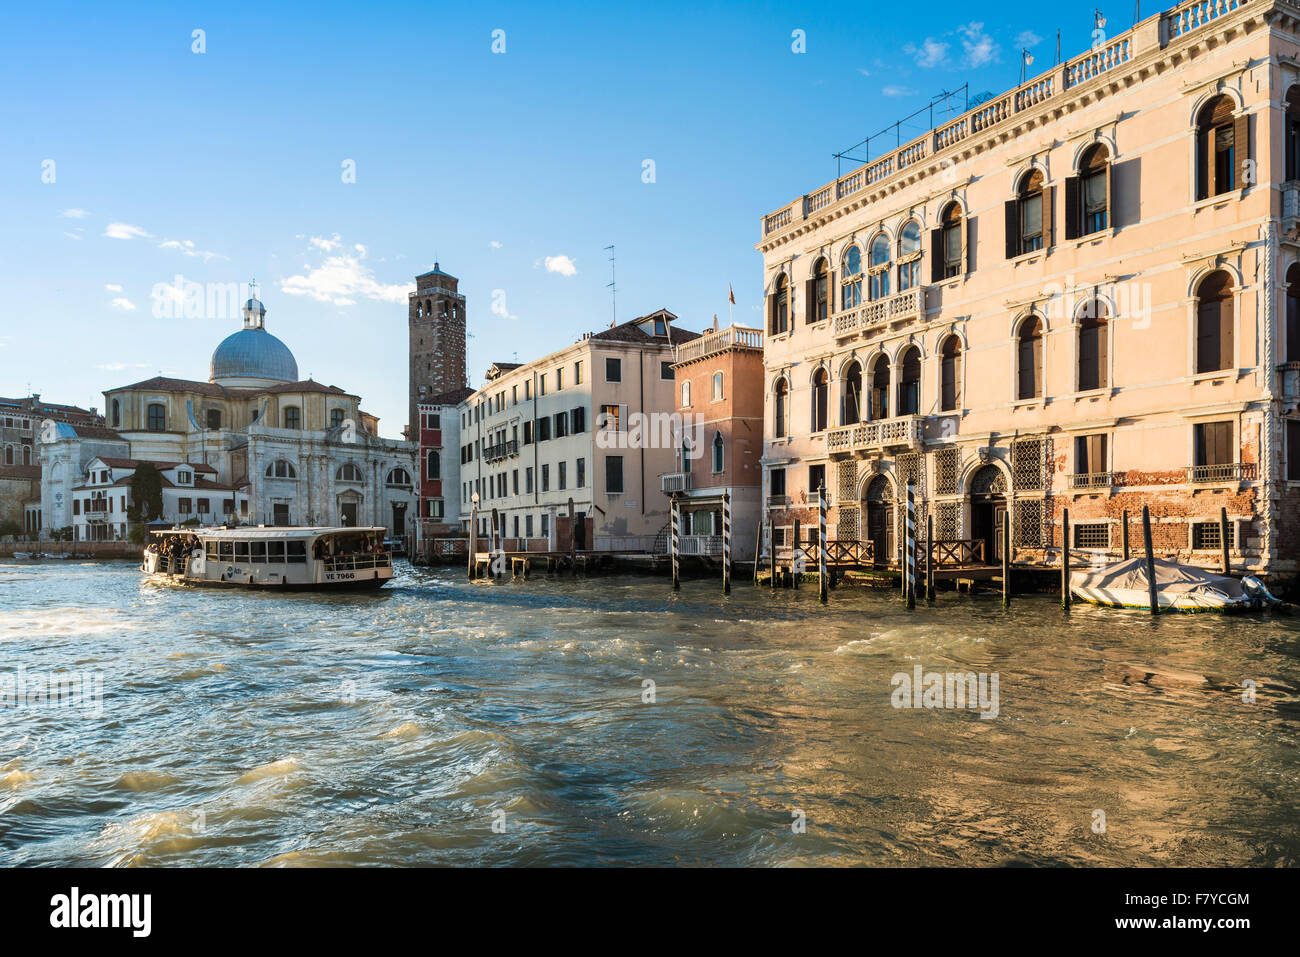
{"x":613,"y":288}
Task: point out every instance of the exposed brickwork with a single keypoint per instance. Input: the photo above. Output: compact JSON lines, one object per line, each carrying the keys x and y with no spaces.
{"x":436,"y":319}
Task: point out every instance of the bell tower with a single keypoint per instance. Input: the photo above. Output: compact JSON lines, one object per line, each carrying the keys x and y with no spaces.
{"x":437,"y":340}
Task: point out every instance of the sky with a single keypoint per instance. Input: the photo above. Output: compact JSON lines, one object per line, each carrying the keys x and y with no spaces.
{"x":335,"y":151}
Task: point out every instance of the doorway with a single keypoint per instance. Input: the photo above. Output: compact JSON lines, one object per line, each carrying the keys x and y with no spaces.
{"x":988,"y":509}
{"x":880,"y":526}
{"x":348,"y":514}
{"x":280,"y":514}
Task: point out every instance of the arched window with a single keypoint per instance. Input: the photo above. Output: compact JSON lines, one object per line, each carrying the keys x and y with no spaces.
{"x":851,"y":283}
{"x":909,"y":383}
{"x":281,"y":469}
{"x":909,"y":256}
{"x":780,"y":319}
{"x":880,"y":389}
{"x":717,"y":452}
{"x":1214,"y":326}
{"x":819,"y":303}
{"x":336,"y":418}
{"x":1093,"y":347}
{"x":1025,"y":216}
{"x":9,"y":455}
{"x":348,"y":473}
{"x":950,"y":248}
{"x":950,"y":375}
{"x":293,"y":417}
{"x":157,"y":417}
{"x":878,"y":271}
{"x":821,"y":381}
{"x":686,"y":394}
{"x":717,"y":385}
{"x":1087,"y":196}
{"x":433,"y":465}
{"x":398,"y":478}
{"x":117,"y":414}
{"x":1292,"y":345}
{"x":782,"y":412}
{"x":27,"y":455}
{"x":1291,"y":133}
{"x":851,"y":403}
{"x":1029,"y":362}
{"x":1221,"y":144}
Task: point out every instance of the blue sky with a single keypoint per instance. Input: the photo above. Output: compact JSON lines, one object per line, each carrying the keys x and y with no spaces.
{"x":513,"y":169}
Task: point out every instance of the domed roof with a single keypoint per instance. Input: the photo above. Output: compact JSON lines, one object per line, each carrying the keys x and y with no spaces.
{"x":253,"y":353}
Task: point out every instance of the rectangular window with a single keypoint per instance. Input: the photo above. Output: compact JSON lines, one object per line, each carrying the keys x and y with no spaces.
{"x":1209,"y":535}
{"x":546,"y":478}
{"x":666,"y":371}
{"x":183,"y":506}
{"x":528,"y":433}
{"x":514,"y":482}
{"x":581,"y":474}
{"x":613,"y":370}
{"x":577,"y":373}
{"x":543,"y":429}
{"x":561,"y":424}
{"x":241,"y":553}
{"x":1293,"y":450}
{"x":528,"y":480}
{"x":546,"y":525}
{"x":1214,"y":443}
{"x":226,"y":551}
{"x":1090,"y":454}
{"x":609,"y":419}
{"x":578,"y":419}
{"x":204,"y":506}
{"x":257,"y":552}
{"x":541,"y":384}
{"x":816,"y":479}
{"x":776,"y":481}
{"x":528,"y":526}
{"x":295,"y":553}
{"x":614,"y":474}
{"x":1092,"y":535}
{"x":275,"y":553}
{"x":559,"y":379}
{"x":563,"y":476}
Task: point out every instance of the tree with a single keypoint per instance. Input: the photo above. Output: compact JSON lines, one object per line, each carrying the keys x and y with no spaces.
{"x":10,"y":528}
{"x":146,"y":494}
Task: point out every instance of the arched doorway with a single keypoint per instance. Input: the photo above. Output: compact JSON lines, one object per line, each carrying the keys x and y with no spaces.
{"x":879,"y":508}
{"x":988,"y":505}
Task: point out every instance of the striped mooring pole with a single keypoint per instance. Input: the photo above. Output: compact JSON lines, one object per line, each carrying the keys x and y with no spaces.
{"x":910,"y":571}
{"x":821,"y":542}
{"x":673,"y":544}
{"x":726,"y":543}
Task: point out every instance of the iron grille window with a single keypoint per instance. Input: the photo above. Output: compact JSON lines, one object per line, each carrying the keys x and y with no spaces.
{"x":1092,"y":535}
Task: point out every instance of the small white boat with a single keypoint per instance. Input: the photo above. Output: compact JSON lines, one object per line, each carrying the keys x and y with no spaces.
{"x":276,"y":557}
{"x":1178,"y":587}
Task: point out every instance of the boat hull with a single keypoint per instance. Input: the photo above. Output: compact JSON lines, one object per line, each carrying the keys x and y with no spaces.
{"x":365,"y":584}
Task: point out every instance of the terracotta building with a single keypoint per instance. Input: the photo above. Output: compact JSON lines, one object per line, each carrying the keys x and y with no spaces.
{"x":1083,"y":293}
{"x":436,"y":322}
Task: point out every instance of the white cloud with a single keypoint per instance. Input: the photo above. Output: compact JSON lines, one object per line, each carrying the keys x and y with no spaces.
{"x":119,"y":366}
{"x":73,"y":236}
{"x":930,"y":53}
{"x":186,"y":247}
{"x":494,"y":244}
{"x":74,"y":213}
{"x":122,"y":304}
{"x":361,"y":249}
{"x":125,"y":231}
{"x":113,"y":287}
{"x":328,"y":245}
{"x":898,"y":91}
{"x":864,"y":71}
{"x":499,"y":305}
{"x":1028,"y":39}
{"x":979,"y":46}
{"x":561,"y":264}
{"x":340,"y":280}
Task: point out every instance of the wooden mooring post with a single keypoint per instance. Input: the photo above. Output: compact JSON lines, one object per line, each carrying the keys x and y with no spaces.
{"x":1223,"y":539}
{"x":726,"y":543}
{"x":771,"y":549}
{"x":1065,"y":559}
{"x":473,"y":537}
{"x":1151,"y":561}
{"x":909,"y":563}
{"x":929,"y":558}
{"x":673,"y":545}
{"x":758,"y":548}
{"x":795,"y":556}
{"x":822,"y":586}
{"x":1126,"y":555}
{"x":1006,"y":559}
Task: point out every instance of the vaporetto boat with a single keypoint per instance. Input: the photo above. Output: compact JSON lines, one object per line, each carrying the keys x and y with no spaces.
{"x":270,"y":557}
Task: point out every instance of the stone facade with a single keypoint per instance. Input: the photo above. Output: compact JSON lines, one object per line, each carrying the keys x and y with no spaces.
{"x":436,"y":320}
{"x":1082,"y":294}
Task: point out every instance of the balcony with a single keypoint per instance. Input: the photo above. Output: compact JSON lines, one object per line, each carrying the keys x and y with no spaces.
{"x":778,"y":501}
{"x":1221,"y":474}
{"x":494,"y":453}
{"x":903,"y":307}
{"x":709,"y":545}
{"x":675,"y":482}
{"x":733,"y":337}
{"x":1092,"y":480}
{"x":901,"y":432}
{"x":1289,"y":374}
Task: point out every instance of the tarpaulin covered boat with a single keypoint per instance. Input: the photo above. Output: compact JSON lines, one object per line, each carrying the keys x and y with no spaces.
{"x":1178,"y":587}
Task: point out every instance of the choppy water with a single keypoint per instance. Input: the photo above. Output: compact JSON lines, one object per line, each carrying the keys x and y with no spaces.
{"x":247,"y":729}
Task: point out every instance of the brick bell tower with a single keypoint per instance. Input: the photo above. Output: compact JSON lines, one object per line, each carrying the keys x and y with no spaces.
{"x":437,"y":346}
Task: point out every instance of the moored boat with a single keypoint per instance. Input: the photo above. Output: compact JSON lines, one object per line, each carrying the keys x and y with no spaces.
{"x":289,"y":558}
{"x":1179,"y":587}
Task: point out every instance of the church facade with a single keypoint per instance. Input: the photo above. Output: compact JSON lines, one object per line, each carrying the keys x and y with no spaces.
{"x":286,"y":452}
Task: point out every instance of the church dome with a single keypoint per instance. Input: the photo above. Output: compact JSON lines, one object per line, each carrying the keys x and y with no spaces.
{"x":253,"y":357}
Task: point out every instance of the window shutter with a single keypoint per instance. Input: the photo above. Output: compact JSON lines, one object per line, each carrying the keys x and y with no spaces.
{"x":1011,"y":215}
{"x":1103,"y":349}
{"x":1241,"y":145}
{"x":1073,"y":206}
{"x":1227,"y":354}
{"x":771,"y":315}
{"x":1205,"y":186}
{"x":1049,"y":201}
{"x":810,"y":300}
{"x":968,"y":245}
{"x":936,"y":255}
{"x":1038,"y":346}
{"x":1110,"y":197}
{"x":830,"y":293}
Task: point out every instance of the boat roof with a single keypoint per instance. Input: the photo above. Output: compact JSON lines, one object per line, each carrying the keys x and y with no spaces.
{"x":247,"y":532}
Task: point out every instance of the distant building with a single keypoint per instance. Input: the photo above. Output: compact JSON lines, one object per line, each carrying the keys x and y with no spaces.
{"x":288,"y":452}
{"x":439,"y":500}
{"x":21,"y":422}
{"x":436,"y":324}
{"x":587,"y":424}
{"x":191,"y":493}
{"x":719,"y":383}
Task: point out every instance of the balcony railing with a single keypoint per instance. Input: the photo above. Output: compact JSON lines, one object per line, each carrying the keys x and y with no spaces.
{"x":1217,"y":474}
{"x":901,"y":431}
{"x":906,"y":305}
{"x":778,"y":501}
{"x":494,"y":453}
{"x":1289,"y":372}
{"x":1092,"y":480}
{"x":700,"y":545}
{"x":675,"y":482}
{"x":732,"y":337}
{"x":1173,"y":24}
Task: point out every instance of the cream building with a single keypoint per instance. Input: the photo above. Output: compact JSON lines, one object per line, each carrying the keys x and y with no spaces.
{"x":574,"y":426}
{"x":1083,"y":294}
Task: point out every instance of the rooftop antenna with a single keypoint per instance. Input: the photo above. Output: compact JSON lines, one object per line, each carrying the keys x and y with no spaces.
{"x":613,"y":289}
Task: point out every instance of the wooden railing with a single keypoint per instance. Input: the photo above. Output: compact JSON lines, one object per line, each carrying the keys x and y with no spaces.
{"x":732,"y":337}
{"x":1173,"y":24}
{"x":956,"y":551}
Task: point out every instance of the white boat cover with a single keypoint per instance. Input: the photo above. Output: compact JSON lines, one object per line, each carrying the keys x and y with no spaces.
{"x":1177,"y":586}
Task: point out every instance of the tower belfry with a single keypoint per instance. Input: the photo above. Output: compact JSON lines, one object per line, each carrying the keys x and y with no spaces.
{"x":254,"y":311}
{"x":437,"y":324}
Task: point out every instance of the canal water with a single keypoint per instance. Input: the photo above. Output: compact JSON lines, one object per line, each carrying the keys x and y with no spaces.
{"x":448,"y":722}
